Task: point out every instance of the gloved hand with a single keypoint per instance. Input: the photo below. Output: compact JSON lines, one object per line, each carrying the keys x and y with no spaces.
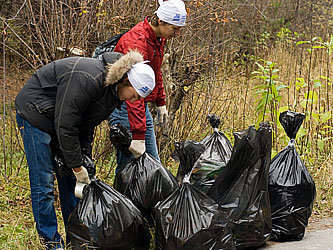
{"x":162,"y":115}
{"x":137,"y":147}
{"x":82,"y":175}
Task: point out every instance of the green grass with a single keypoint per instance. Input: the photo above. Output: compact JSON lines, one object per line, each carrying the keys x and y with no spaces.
{"x":17,"y":225}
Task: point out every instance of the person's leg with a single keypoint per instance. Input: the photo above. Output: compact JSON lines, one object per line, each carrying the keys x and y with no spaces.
{"x":39,"y":159}
{"x":121,"y":116}
{"x":68,"y":201}
{"x":151,"y":146}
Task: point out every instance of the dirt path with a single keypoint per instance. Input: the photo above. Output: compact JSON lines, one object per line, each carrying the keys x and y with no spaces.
{"x":318,"y":236}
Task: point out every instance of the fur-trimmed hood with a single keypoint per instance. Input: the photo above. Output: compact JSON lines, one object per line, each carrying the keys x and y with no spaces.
{"x":117,"y":70}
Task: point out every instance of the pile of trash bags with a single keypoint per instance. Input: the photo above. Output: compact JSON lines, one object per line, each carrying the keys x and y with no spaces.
{"x":238,"y":197}
{"x":222,"y":197}
{"x":291,"y":187}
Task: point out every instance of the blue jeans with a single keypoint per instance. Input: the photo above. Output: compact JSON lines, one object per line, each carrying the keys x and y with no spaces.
{"x":37,"y":146}
{"x":121,"y":116}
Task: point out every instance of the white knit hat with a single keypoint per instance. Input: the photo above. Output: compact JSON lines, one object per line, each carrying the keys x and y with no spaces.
{"x":172,"y":12}
{"x":142,"y":78}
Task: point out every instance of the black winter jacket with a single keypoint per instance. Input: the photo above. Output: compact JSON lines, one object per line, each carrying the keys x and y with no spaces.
{"x":69,"y":98}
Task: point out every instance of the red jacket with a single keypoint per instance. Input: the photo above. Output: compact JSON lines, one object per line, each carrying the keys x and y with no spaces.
{"x":143,"y":38}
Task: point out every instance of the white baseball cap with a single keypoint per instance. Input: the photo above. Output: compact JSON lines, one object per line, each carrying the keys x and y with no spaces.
{"x":142,"y":78}
{"x":172,"y":12}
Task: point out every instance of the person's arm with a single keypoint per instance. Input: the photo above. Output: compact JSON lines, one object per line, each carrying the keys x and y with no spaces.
{"x":86,"y":139}
{"x":160,"y":98}
{"x":162,"y":113}
{"x":137,"y":119}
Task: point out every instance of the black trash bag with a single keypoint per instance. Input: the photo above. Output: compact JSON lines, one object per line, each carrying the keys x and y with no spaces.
{"x":145,"y":181}
{"x":241,"y":189}
{"x":64,"y":170}
{"x":189,"y":219}
{"x":291,"y":188}
{"x":61,"y":166}
{"x":88,"y":163}
{"x":121,"y":138}
{"x":106,"y":219}
{"x":213,"y":159}
{"x":187,"y":153}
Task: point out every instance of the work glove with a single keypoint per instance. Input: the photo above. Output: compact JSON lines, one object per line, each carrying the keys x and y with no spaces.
{"x":82,"y":176}
{"x":162,"y":115}
{"x":137,"y":147}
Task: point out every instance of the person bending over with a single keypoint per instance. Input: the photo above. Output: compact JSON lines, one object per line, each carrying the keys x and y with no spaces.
{"x":57,"y":110}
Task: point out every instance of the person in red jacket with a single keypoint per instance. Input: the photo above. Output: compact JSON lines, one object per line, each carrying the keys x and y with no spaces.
{"x":149,"y":38}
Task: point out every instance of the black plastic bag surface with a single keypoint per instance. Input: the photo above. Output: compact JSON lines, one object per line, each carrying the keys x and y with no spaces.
{"x":241,"y":189}
{"x":217,"y":153}
{"x":187,"y":153}
{"x":120,"y":138}
{"x":189,"y":219}
{"x":145,"y":181}
{"x":64,"y":170}
{"x":106,"y":219}
{"x":291,"y":187}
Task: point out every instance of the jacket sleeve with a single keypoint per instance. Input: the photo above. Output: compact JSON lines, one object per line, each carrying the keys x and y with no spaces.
{"x":160,"y":98}
{"x":75,"y":93}
{"x":86,"y":138}
{"x":137,"y":118}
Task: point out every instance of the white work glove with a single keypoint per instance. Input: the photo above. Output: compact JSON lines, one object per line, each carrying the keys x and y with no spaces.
{"x":162,"y":115}
{"x":137,"y":147}
{"x":82,"y":176}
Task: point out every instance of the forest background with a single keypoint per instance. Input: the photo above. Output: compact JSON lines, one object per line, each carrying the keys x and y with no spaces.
{"x":245,"y":61}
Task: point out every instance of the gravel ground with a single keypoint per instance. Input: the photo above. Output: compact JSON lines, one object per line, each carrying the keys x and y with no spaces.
{"x":318,"y":235}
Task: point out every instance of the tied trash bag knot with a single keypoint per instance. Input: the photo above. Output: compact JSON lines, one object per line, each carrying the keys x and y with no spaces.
{"x":291,"y":143}
{"x":291,"y":122}
{"x":214,"y":121}
{"x":88,"y":163}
